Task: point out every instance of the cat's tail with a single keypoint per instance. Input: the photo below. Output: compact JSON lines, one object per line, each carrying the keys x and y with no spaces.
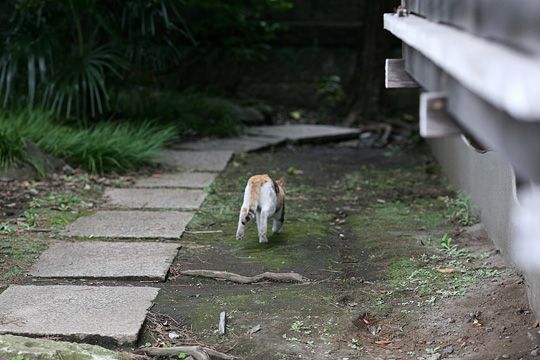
{"x":248,"y":212}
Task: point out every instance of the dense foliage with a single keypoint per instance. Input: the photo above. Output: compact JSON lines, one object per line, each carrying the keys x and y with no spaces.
{"x":72,"y":57}
{"x":104,"y":147}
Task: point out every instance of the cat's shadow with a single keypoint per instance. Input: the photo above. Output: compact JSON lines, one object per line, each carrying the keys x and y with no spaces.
{"x":274,"y":241}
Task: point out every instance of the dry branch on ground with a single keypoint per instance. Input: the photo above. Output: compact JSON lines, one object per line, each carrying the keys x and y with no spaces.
{"x":241,"y":279}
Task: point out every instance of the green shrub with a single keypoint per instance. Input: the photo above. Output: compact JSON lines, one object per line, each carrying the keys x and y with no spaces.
{"x":71,"y":57}
{"x":104,"y":147}
{"x":186,"y":111}
{"x":11,"y":148}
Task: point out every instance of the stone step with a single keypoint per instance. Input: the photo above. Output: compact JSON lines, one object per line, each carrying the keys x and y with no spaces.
{"x":236,"y":144}
{"x":111,"y":315}
{"x":195,"y":180}
{"x":305,"y":133}
{"x":106,"y":260}
{"x":189,"y":199}
{"x":131,"y":224}
{"x":211,"y":160}
{"x":20,"y":347}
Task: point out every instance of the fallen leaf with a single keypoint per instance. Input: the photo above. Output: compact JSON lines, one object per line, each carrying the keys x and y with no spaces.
{"x":383,"y":342}
{"x":446,"y":270}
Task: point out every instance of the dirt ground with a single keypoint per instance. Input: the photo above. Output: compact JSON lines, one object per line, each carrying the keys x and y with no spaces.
{"x":396,"y":269}
{"x":394,"y":275}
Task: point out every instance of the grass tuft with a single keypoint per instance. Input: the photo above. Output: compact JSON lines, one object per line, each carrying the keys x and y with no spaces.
{"x":11,"y":148}
{"x":105,"y":147}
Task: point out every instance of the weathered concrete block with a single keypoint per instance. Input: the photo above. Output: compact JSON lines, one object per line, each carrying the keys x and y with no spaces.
{"x":237,"y":144}
{"x":155,"y":198}
{"x":110,"y":314}
{"x":195,"y":180}
{"x":106,"y":260}
{"x":131,"y":224}
{"x":42,"y":349}
{"x":211,"y":160}
{"x":305,"y":133}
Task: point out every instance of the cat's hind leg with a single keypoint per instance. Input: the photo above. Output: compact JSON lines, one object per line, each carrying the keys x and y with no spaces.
{"x":262,"y":223}
{"x":276,"y":226}
{"x":243,"y":218}
{"x":278,"y":221}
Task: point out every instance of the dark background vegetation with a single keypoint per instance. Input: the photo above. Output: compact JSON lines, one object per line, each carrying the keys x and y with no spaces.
{"x":113,"y":72}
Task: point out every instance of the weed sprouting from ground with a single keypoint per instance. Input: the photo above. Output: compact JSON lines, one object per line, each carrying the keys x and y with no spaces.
{"x":461,"y":210}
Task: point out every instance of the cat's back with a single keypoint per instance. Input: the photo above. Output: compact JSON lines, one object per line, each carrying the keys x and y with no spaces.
{"x":259,"y":180}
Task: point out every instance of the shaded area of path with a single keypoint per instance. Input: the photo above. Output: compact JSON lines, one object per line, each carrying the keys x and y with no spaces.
{"x":365,"y":226}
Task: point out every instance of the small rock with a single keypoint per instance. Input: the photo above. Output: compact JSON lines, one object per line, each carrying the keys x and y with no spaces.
{"x":489,"y":329}
{"x":436,"y":356}
{"x":449,"y":349}
{"x":173,"y":335}
{"x":451,"y":321}
{"x":535,"y":352}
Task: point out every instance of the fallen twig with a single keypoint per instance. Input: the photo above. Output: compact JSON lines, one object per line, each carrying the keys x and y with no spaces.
{"x":197,"y":352}
{"x":241,"y":279}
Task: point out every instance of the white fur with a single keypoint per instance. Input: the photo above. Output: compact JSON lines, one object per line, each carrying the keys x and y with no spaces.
{"x":265,"y":207}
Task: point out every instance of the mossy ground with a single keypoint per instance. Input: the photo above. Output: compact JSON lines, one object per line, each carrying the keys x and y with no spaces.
{"x":364,"y":226}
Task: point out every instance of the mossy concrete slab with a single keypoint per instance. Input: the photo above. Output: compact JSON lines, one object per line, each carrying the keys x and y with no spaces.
{"x":236,"y":144}
{"x":155,"y":198}
{"x":130,"y":224}
{"x":305,"y":133}
{"x":108,"y":314}
{"x":106,"y":260}
{"x":12,"y":346}
{"x":211,"y":160}
{"x":194,"y":180}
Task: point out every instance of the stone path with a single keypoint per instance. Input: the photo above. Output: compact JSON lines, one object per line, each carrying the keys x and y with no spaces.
{"x":149,"y":210}
{"x":103,"y":259}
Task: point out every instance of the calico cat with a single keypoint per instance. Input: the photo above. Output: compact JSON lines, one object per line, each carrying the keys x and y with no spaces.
{"x":264,"y":198}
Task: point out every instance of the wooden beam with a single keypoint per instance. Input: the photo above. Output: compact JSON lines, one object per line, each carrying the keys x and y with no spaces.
{"x":435,"y":122}
{"x":396,"y":76}
{"x":505,"y":78}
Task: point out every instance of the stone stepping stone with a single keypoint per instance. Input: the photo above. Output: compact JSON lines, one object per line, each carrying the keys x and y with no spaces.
{"x":20,"y":347}
{"x":305,"y":133}
{"x":106,"y":260}
{"x":212,"y":160}
{"x":131,"y":224}
{"x":155,"y":198}
{"x":111,"y":314}
{"x":236,"y":144}
{"x":195,"y":180}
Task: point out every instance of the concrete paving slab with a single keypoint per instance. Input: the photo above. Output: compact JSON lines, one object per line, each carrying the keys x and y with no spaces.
{"x":131,"y":224}
{"x":106,"y":260}
{"x":111,"y":314}
{"x":305,"y":133}
{"x":195,"y":180}
{"x":155,"y":198}
{"x":21,"y":347}
{"x":211,"y":160}
{"x":236,"y":144}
